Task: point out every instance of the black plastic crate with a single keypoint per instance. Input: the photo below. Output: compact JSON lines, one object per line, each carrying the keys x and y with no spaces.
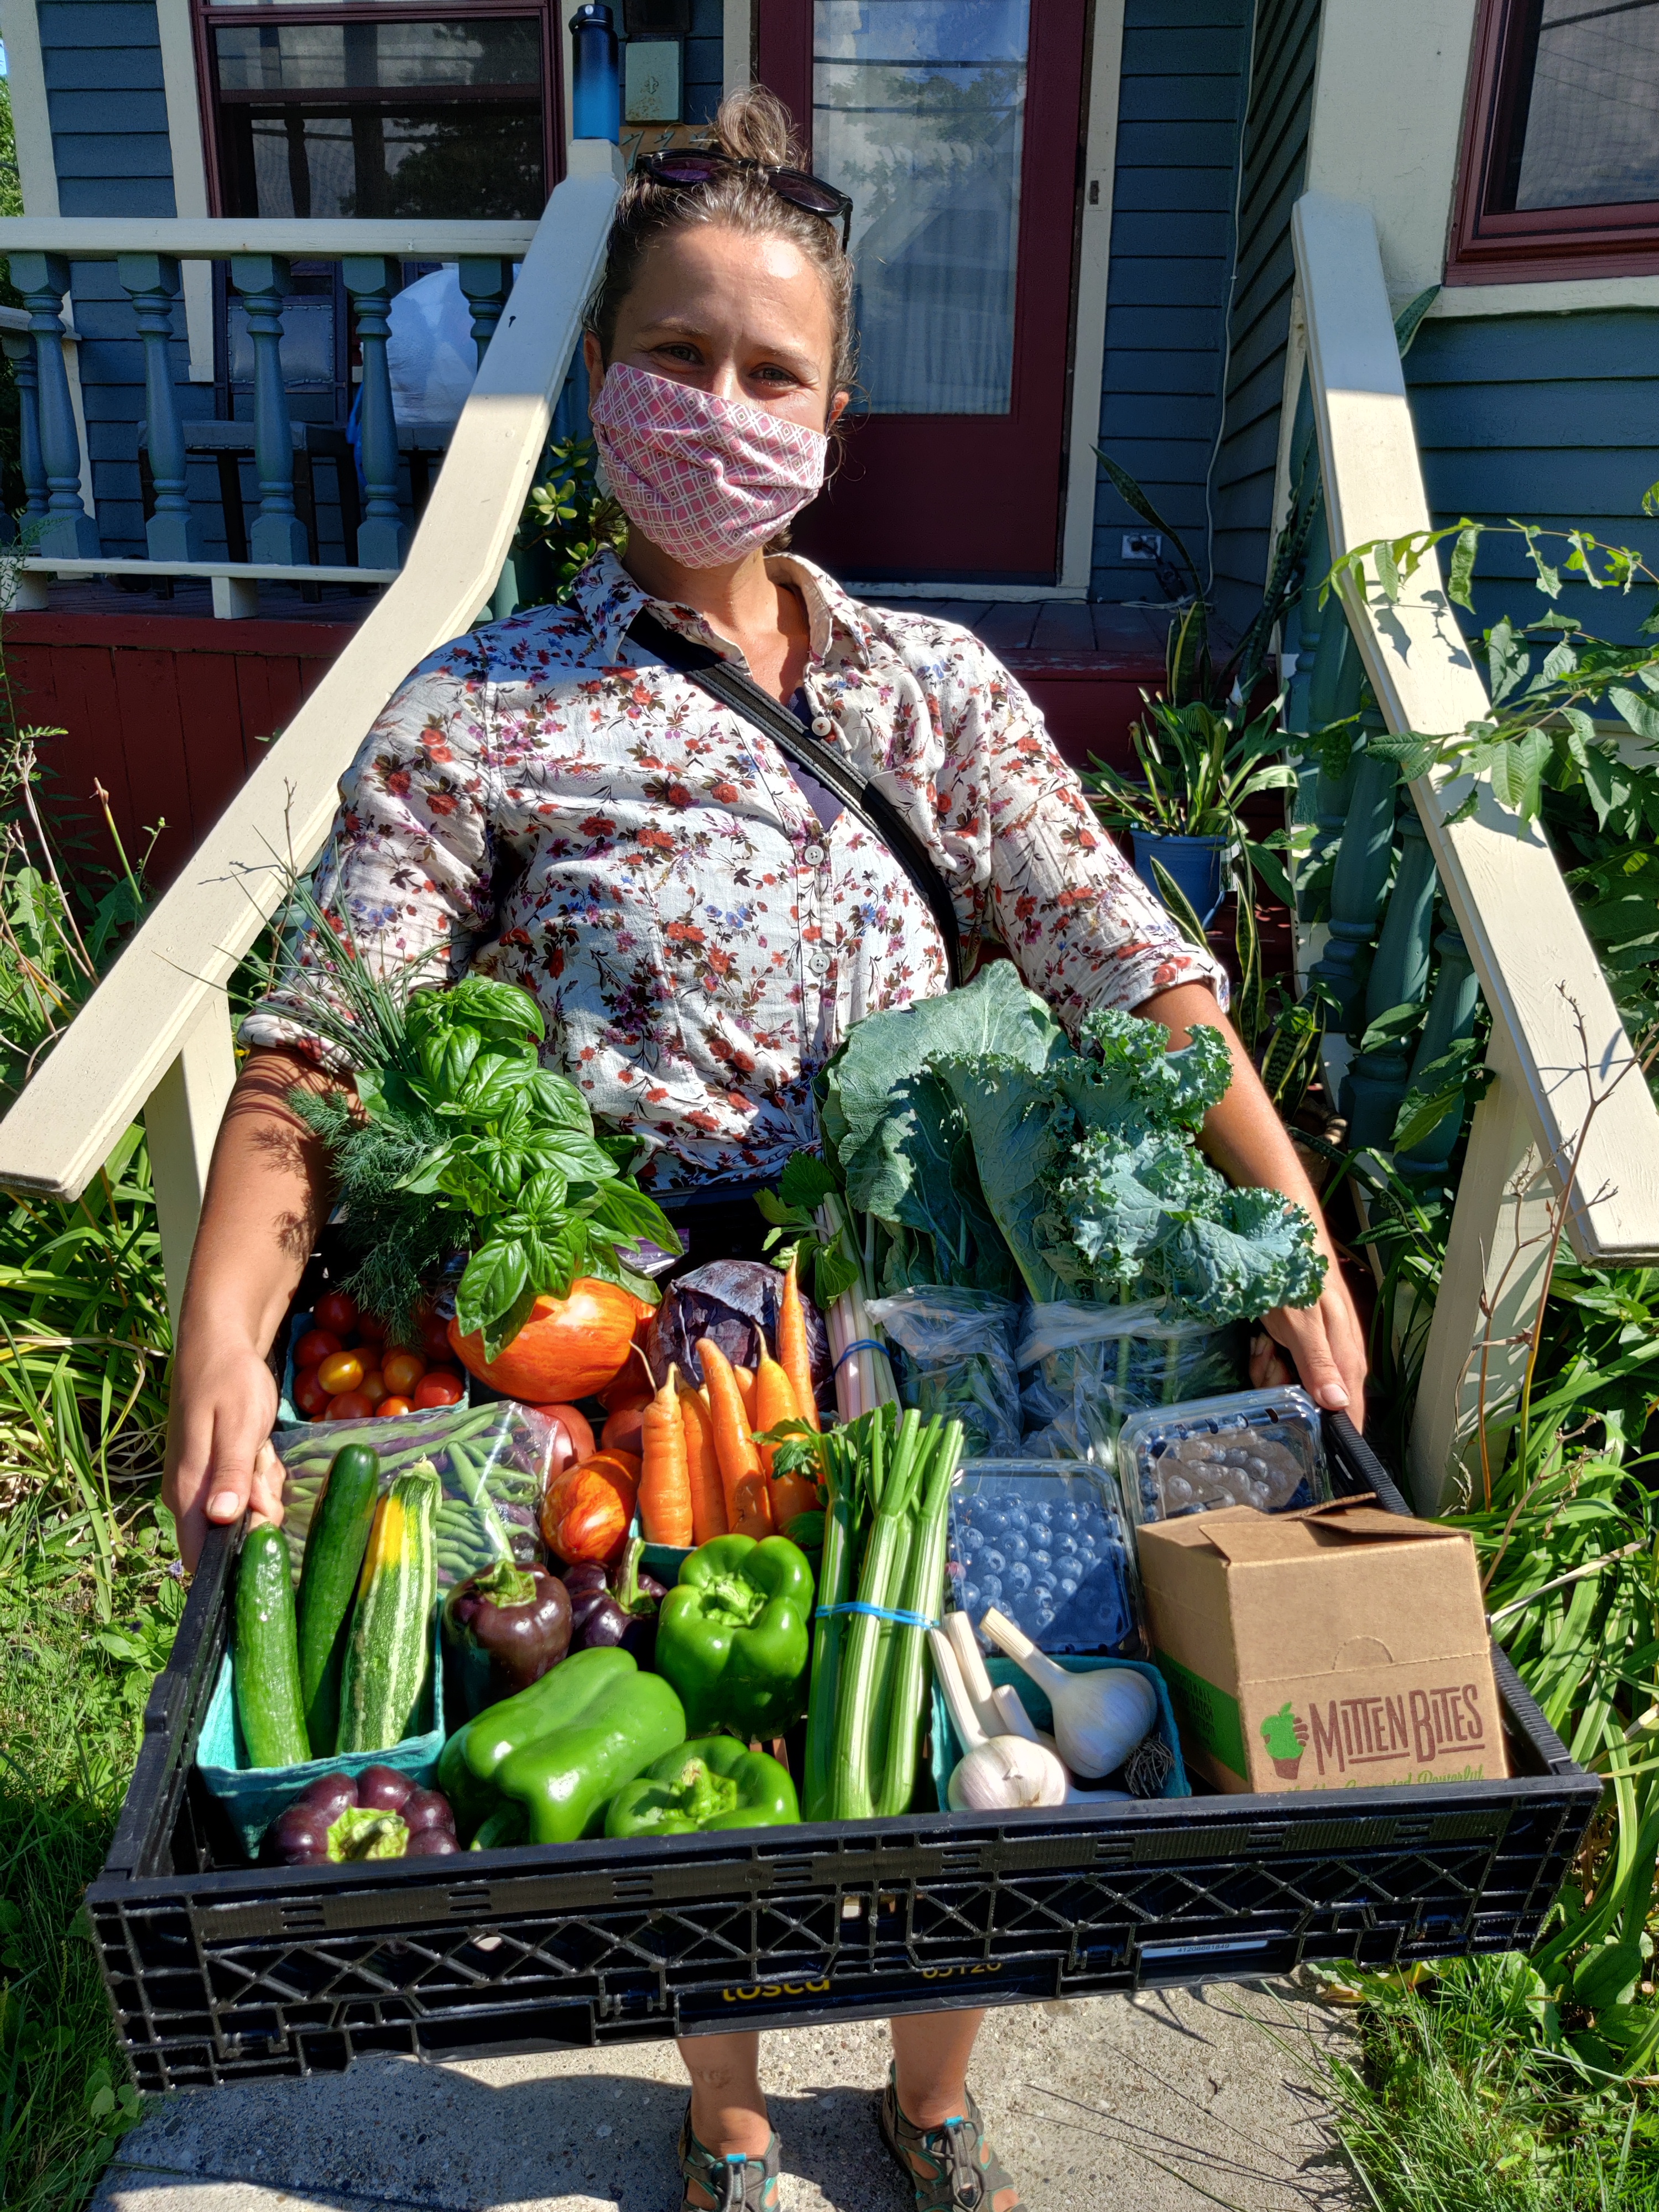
{"x":218,"y":1976}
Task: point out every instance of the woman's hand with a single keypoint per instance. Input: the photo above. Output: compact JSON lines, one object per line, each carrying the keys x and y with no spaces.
{"x":267,"y":1196}
{"x":1326,"y":1347}
{"x":1321,"y":1346}
{"x":219,"y":1461}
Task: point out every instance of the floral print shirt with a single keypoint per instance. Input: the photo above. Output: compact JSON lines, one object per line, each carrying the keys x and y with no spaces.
{"x":551,"y":806}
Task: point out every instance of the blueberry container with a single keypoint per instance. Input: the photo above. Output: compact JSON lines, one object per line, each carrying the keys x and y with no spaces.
{"x":1047,"y":1543}
{"x":1260,"y":1447}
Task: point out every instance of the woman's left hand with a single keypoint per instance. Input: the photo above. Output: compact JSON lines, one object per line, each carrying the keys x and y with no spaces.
{"x":1322,"y":1346}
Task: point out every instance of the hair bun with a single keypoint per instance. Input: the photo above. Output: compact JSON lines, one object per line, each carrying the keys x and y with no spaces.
{"x":753,"y":124}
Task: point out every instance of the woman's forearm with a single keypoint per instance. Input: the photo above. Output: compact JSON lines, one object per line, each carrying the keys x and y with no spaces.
{"x":1245,"y":1137}
{"x":267,"y":1197}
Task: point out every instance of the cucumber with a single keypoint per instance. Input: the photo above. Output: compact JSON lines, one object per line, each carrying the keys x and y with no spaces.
{"x":266,"y":1665}
{"x":389,"y":1651}
{"x":334,"y":1557}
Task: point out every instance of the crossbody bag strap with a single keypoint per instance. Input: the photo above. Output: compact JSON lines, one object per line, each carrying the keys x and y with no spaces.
{"x":711,"y":672}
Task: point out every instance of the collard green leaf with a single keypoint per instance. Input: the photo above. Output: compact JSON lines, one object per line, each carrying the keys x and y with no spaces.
{"x":1009,"y":1109}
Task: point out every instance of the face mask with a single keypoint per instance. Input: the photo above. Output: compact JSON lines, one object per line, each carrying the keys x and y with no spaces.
{"x":706,"y":479}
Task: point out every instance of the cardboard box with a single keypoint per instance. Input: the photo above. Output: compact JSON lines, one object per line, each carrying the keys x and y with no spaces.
{"x":1339,"y":1647}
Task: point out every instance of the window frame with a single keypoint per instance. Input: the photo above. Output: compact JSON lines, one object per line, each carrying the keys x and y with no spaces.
{"x":1534,"y":244}
{"x":208,"y":15}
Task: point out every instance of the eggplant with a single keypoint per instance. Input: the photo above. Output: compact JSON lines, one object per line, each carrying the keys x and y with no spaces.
{"x":379,"y":1815}
{"x":508,"y":1626}
{"x":734,"y":1302}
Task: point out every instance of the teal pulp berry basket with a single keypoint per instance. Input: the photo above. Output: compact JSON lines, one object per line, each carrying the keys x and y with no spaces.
{"x":948,"y":1748}
{"x":254,"y":1796}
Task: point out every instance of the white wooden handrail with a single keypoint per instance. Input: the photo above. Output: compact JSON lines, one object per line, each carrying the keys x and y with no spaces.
{"x":157,"y":1022}
{"x":1537,"y":968}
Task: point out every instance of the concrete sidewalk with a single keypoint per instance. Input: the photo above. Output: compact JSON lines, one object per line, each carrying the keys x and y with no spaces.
{"x":1165,"y":2103}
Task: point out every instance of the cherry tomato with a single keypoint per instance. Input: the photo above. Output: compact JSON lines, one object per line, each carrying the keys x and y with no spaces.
{"x":316,"y":1346}
{"x":403,"y":1370}
{"x":309,"y":1395}
{"x":373,"y":1387}
{"x":371,"y":1329}
{"x":435,"y":1336}
{"x":350,"y":1405}
{"x":388,"y":1408}
{"x":337,"y":1313}
{"x":341,"y":1370}
{"x":442,"y":1387}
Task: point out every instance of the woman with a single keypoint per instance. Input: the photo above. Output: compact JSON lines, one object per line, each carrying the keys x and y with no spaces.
{"x":700,"y":921}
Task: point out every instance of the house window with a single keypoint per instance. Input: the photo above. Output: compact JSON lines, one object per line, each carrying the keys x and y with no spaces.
{"x":1561,"y":170}
{"x":355,"y":110}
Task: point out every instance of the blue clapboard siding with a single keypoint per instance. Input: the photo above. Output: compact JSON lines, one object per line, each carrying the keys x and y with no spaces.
{"x":1553,"y":419}
{"x":109,"y":136}
{"x":1274,"y":162}
{"x":705,"y":61}
{"x":1179,"y":112}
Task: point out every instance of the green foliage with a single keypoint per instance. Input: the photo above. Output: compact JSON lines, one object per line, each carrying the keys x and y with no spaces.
{"x":566,"y":521}
{"x":465,"y":1144}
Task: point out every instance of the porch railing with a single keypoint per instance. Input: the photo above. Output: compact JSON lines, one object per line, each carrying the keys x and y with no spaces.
{"x":1508,"y":930}
{"x":154,"y":1038}
{"x":150,"y":259}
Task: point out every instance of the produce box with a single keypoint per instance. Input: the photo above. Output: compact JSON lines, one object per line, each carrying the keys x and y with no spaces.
{"x":1314,"y":1651}
{"x":252,"y":1796}
{"x":218,"y":1971}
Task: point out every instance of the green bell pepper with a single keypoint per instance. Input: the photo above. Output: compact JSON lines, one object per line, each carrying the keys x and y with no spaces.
{"x":562,"y":1748}
{"x":714,"y":1782}
{"x":731,"y":1636}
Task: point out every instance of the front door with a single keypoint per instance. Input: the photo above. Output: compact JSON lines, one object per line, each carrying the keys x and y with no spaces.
{"x":956,"y":126}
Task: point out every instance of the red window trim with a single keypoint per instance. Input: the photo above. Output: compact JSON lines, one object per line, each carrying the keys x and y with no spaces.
{"x":1542,"y":243}
{"x":208,"y":14}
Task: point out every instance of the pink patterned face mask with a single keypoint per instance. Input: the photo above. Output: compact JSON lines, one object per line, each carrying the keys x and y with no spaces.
{"x":706,"y":479}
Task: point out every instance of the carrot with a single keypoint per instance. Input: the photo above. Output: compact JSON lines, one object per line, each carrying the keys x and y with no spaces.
{"x":701,"y":1465}
{"x":794,"y":1355}
{"x":748,"y":1512}
{"x":744,"y":1379}
{"x":774,"y":1403}
{"x":665,"y":1478}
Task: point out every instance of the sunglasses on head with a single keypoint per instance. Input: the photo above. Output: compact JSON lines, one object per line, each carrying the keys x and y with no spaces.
{"x":684,"y":172}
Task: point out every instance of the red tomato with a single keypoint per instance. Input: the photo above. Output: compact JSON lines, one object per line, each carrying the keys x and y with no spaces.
{"x":371,"y":1329}
{"x":572,"y":1437}
{"x":389,"y":1407}
{"x":442,"y":1387}
{"x":341,"y":1370}
{"x":337,"y":1313}
{"x":350,"y":1405}
{"x":316,"y":1346}
{"x":435,"y":1336}
{"x":309,"y":1395}
{"x":373,"y":1387}
{"x":403,"y":1370}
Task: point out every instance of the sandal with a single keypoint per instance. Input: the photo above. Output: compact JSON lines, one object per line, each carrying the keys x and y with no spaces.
{"x":952,"y":2167}
{"x":731,"y":2184}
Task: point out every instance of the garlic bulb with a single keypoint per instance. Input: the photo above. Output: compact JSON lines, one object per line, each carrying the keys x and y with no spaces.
{"x":1099,"y":1717}
{"x":999,"y":1773}
{"x":1004,"y":1773}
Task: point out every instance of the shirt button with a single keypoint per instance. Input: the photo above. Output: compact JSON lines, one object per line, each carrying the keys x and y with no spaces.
{"x":813,"y":856}
{"x":822,"y":727}
{"x":817,"y":962}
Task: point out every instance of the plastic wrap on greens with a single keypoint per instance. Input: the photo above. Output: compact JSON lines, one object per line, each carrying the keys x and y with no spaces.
{"x":1089,"y":1367}
{"x":732,"y":1302}
{"x":958,"y":1362}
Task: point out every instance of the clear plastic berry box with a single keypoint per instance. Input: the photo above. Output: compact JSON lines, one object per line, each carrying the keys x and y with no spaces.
{"x":1046,"y":1544}
{"x":1260,"y":1447}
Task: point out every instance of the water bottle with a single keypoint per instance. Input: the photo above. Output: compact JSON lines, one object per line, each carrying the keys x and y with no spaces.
{"x":596,"y":75}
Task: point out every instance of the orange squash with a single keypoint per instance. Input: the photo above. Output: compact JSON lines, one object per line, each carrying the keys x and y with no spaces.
{"x":569,"y":1348}
{"x":586,"y":1511}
